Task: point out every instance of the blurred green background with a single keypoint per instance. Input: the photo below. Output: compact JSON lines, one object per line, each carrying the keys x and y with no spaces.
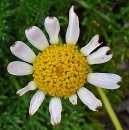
{"x":109,"y":19}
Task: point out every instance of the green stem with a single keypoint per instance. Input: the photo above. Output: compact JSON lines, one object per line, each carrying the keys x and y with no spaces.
{"x":15,"y":83}
{"x":109,"y":109}
{"x":97,"y":12}
{"x":17,"y":86}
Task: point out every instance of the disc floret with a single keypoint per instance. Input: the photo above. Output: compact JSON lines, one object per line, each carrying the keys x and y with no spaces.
{"x":60,"y":70}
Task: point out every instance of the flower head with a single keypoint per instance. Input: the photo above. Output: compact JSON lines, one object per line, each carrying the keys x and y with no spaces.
{"x":61,"y":70}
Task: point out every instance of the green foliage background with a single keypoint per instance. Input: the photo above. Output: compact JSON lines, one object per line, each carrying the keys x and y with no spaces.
{"x":109,"y":19}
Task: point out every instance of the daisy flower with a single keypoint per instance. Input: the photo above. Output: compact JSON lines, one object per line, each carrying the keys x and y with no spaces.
{"x":61,"y":70}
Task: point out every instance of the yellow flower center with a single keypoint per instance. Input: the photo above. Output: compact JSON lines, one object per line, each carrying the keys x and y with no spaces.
{"x":60,"y":70}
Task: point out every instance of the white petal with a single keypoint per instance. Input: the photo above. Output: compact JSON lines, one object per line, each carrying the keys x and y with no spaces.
{"x":55,"y":108}
{"x":99,"y":56}
{"x":73,"y":99}
{"x":93,"y":44}
{"x":104,"y":80}
{"x":36,"y":101}
{"x":22,"y":51}
{"x":36,"y":37}
{"x":52,"y":27}
{"x":31,"y":86}
{"x":19,"y":68}
{"x":89,"y":99}
{"x":73,"y":30}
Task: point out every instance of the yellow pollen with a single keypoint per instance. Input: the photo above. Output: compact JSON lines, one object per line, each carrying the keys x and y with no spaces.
{"x":60,"y":70}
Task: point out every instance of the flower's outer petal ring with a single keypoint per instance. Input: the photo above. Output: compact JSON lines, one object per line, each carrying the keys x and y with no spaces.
{"x":31,"y":86}
{"x":73,"y":99}
{"x":93,"y":44}
{"x":73,"y":30}
{"x":36,"y":101}
{"x":104,"y":80}
{"x":99,"y":56}
{"x":23,"y":52}
{"x":55,"y":108}
{"x":89,"y":99}
{"x":37,"y":38}
{"x":52,"y":27}
{"x":19,"y":68}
